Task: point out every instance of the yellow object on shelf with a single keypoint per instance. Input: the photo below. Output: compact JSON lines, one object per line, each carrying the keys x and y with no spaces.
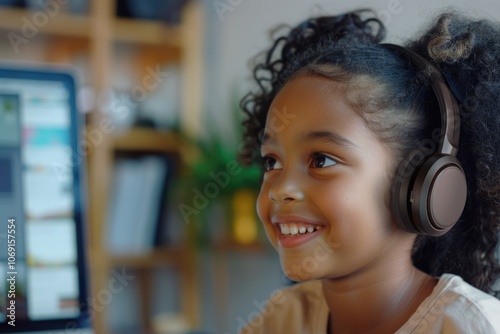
{"x":244,"y":220}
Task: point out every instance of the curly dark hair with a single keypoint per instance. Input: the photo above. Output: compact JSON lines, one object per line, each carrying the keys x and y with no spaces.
{"x":394,"y":98}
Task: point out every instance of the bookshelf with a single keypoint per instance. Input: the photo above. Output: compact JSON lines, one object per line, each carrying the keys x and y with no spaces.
{"x":95,"y":35}
{"x":182,"y":44}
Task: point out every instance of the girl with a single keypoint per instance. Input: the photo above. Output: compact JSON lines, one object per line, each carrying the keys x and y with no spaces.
{"x":336,"y":115}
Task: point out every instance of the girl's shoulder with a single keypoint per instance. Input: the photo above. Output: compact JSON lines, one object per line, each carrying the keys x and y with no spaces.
{"x":455,"y":307}
{"x":297,"y":309}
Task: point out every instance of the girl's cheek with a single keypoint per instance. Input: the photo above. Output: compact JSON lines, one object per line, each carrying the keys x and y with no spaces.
{"x":262,"y":204}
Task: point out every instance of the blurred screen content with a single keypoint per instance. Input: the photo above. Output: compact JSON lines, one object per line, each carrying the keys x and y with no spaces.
{"x":37,"y":202}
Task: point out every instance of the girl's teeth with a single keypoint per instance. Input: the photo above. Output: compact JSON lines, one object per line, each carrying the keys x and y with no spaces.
{"x":293,"y":229}
{"x":285,"y":229}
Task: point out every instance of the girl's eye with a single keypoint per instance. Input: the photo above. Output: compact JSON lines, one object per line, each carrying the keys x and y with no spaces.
{"x":270,"y":163}
{"x":322,"y":161}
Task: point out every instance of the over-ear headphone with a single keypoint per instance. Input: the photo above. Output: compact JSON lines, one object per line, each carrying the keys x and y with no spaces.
{"x":429,"y":189}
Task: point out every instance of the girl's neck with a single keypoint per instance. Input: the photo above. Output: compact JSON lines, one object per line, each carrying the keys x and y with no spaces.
{"x":376,"y":301}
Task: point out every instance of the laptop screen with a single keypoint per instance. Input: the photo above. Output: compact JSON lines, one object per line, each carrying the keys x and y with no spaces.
{"x":42,"y":265}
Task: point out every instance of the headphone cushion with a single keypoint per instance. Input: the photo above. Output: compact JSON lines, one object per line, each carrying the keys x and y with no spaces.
{"x":438,"y":195}
{"x":401,"y":188}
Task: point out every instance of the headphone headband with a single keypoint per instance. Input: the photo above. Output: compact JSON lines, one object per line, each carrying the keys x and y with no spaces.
{"x":450,"y":113}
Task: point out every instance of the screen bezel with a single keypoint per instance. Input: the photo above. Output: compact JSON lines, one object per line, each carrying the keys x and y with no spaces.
{"x":67,"y":78}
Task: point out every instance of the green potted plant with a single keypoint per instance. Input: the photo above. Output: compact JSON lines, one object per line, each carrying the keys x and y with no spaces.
{"x":217,"y":176}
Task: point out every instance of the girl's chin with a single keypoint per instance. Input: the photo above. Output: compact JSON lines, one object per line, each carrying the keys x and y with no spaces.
{"x":300,"y":271}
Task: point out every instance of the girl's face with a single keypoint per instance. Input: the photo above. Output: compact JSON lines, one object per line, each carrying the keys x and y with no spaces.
{"x":324,"y":193}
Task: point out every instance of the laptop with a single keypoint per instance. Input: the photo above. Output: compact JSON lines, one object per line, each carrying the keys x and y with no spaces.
{"x":43,"y":269}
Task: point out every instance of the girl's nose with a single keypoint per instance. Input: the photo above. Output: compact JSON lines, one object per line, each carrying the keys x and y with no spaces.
{"x":286,"y":188}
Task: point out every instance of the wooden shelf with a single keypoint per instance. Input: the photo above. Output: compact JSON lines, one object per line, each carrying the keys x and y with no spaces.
{"x":61,"y":24}
{"x":157,"y":258}
{"x":145,"y":140}
{"x":146,"y":32}
{"x":71,"y":25}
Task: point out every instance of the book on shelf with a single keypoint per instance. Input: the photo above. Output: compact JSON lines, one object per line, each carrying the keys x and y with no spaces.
{"x":137,"y":204}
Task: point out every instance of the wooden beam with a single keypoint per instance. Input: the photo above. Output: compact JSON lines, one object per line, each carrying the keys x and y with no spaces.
{"x":192,"y":65}
{"x":146,"y":32}
{"x":57,"y":23}
{"x":100,"y":161}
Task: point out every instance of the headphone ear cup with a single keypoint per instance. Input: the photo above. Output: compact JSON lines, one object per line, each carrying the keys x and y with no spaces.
{"x":402,"y":185}
{"x":438,"y":194}
{"x":429,"y":193}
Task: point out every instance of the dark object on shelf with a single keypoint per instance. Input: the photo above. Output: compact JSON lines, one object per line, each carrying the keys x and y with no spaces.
{"x":12,"y":3}
{"x":144,"y":123}
{"x":168,"y":11}
{"x":138,"y":210}
{"x":72,"y":6}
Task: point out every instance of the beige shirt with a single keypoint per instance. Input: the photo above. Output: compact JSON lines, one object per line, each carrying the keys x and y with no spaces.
{"x":454,"y":307}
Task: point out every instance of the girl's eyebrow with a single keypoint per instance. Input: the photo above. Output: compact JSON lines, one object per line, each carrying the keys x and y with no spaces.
{"x":329,"y":136}
{"x":326,"y":136}
{"x":267,"y":138}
